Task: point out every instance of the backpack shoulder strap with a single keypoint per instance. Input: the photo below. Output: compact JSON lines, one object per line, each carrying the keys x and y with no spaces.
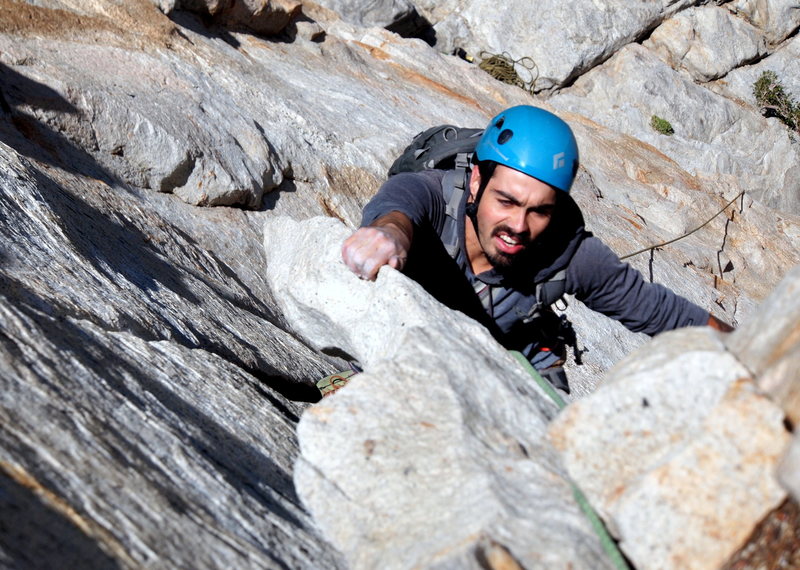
{"x":454,"y":184}
{"x":547,"y":292}
{"x":550,"y":291}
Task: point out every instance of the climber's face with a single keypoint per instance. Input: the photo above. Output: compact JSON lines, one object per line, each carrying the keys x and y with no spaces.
{"x":513,"y":211}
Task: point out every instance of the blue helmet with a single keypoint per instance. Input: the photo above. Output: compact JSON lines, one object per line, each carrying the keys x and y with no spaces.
{"x":533,"y":141}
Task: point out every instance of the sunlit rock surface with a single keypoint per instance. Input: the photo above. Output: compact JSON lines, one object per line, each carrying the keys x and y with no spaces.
{"x":151,"y":383}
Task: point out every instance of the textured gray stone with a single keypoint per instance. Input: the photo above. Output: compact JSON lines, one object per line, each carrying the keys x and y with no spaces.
{"x":84,"y":249}
{"x":784,"y":62}
{"x":707,"y":42}
{"x":140,"y":428}
{"x":713,"y":135}
{"x":380,"y":13}
{"x":119,"y":450}
{"x":577,"y":40}
{"x":146,"y":134}
{"x":778,"y":18}
{"x":769,"y":345}
{"x":199,"y":118}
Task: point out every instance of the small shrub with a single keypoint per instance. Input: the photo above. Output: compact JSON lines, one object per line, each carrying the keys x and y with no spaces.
{"x":773,"y":100}
{"x":662,"y":126}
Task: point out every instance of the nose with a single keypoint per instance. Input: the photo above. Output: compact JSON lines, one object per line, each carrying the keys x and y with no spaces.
{"x":518,"y":221}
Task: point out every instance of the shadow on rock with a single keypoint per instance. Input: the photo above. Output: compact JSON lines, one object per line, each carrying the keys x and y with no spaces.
{"x":148,"y":386}
{"x":111,"y":243}
{"x":31,"y":137}
{"x":120,"y":242}
{"x":35,"y":536}
{"x":204,"y":25}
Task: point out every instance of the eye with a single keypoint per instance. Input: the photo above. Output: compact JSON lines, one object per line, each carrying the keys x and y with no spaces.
{"x":542,"y":211}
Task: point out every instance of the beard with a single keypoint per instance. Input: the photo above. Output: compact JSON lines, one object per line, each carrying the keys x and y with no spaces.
{"x":499,"y":259}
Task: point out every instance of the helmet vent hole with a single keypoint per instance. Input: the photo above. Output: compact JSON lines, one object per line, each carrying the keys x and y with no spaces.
{"x":499,"y":123}
{"x":505,"y":136}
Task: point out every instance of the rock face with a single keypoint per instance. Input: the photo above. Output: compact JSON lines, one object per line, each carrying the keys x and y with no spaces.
{"x":123,"y":452}
{"x":707,"y":42}
{"x":379,"y":13}
{"x":577,"y":40}
{"x":137,"y":113}
{"x":268,"y":17}
{"x":705,"y":439}
{"x":769,"y":346}
{"x":102,"y":255}
{"x":738,"y":84}
{"x":778,"y":18}
{"x":677,"y":450}
{"x":709,"y":131}
{"x":600,"y":50}
{"x":141,"y":427}
{"x":581,"y":39}
{"x":443,"y":473}
{"x":152,"y":384}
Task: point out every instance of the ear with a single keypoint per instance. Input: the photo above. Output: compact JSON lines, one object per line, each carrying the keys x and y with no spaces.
{"x":474,"y":183}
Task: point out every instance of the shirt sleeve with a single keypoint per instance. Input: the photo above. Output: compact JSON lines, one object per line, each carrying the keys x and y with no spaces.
{"x":418,"y":195}
{"x":598,"y":278}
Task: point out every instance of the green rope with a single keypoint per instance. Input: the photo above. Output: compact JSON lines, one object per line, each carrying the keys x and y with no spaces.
{"x":548,"y":388}
{"x":503,"y":68}
{"x":608,"y":543}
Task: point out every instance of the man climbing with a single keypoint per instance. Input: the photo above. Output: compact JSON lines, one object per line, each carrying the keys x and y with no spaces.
{"x":503,"y":240}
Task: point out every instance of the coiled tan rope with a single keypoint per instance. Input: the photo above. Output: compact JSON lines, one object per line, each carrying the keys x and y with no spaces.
{"x":506,"y":69}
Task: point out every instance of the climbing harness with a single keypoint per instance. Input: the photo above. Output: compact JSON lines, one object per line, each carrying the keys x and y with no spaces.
{"x":607,"y":542}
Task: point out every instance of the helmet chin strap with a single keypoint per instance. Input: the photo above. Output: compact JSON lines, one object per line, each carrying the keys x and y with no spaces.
{"x":471,"y":209}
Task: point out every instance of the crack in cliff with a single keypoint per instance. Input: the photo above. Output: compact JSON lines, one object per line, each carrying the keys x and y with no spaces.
{"x":721,"y":250}
{"x":728,"y":266}
{"x":650,"y":264}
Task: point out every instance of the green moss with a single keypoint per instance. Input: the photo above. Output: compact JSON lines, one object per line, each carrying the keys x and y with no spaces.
{"x":662,"y":126}
{"x":775,"y":102}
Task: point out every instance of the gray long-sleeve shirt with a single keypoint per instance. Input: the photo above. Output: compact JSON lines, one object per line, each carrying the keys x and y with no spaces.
{"x":594,"y":273}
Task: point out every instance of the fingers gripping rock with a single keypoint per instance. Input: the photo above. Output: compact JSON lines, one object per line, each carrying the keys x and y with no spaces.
{"x":370,"y":248}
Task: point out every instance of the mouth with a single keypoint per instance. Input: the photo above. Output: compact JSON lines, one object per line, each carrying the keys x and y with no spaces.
{"x":509,"y":243}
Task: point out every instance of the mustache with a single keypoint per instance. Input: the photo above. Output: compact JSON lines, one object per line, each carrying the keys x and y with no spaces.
{"x":522,"y":237}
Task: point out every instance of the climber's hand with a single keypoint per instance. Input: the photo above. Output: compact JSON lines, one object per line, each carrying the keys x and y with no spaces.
{"x":385,"y":242}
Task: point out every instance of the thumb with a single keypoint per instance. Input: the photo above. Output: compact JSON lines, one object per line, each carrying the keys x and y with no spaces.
{"x":397,"y":262}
